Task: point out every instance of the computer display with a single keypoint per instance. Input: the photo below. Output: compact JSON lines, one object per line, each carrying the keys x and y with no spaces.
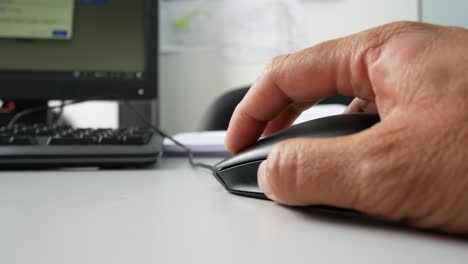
{"x":78,"y":49}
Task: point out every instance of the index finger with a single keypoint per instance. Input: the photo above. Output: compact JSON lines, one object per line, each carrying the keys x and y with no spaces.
{"x":337,"y":66}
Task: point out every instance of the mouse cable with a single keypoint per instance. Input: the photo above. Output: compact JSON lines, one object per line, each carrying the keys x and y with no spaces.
{"x":33,"y":110}
{"x":187,"y":150}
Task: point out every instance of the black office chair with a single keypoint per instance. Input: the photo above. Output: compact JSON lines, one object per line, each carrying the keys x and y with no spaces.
{"x":219,"y":113}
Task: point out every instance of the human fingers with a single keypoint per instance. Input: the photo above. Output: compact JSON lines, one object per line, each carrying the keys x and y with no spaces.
{"x":361,"y":106}
{"x":286,"y":118}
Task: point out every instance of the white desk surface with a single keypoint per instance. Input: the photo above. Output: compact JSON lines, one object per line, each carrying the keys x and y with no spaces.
{"x":174,"y":214}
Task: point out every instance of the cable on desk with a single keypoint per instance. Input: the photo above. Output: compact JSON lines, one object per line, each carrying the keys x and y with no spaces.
{"x":187,"y":150}
{"x":33,"y":110}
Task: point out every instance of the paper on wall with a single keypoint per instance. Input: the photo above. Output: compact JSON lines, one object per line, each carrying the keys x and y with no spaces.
{"x":241,"y":31}
{"x":256,"y":31}
{"x":189,"y":24}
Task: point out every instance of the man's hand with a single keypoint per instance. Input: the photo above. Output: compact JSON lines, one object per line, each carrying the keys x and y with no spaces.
{"x":412,"y":166}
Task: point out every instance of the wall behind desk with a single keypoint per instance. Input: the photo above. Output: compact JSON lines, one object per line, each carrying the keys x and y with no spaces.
{"x":447,"y":12}
{"x":190,"y":81}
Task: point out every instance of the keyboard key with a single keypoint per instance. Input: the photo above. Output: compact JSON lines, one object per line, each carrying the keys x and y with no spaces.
{"x":17,"y":140}
{"x":136,"y":140}
{"x":110,"y":141}
{"x":22,"y":140}
{"x":5,"y":140}
{"x":45,"y":133}
{"x":73,"y":141}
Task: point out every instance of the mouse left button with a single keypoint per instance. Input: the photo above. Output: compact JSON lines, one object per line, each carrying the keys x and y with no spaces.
{"x":240,"y":178}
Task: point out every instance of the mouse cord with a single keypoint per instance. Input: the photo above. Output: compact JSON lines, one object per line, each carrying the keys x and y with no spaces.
{"x":186,"y":149}
{"x":33,"y":110}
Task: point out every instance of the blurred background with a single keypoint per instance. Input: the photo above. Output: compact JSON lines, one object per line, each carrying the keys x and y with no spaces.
{"x":208,"y":47}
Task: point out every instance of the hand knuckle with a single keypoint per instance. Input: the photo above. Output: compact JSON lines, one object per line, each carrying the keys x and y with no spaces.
{"x":401,"y":24}
{"x":284,"y":170}
{"x":278,"y":64}
{"x":278,"y":61}
{"x":395,"y":28}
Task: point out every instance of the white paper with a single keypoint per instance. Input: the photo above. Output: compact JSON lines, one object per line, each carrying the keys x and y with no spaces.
{"x":256,"y":31}
{"x":189,"y":24}
{"x":207,"y":143}
{"x":241,"y":31}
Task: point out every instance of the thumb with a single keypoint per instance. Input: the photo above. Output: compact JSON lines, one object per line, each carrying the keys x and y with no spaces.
{"x":314,"y":172}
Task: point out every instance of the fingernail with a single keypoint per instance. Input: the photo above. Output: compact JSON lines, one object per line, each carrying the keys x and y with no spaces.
{"x":263,"y":181}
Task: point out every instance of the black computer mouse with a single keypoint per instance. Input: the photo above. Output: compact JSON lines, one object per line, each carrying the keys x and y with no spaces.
{"x":238,"y":174}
